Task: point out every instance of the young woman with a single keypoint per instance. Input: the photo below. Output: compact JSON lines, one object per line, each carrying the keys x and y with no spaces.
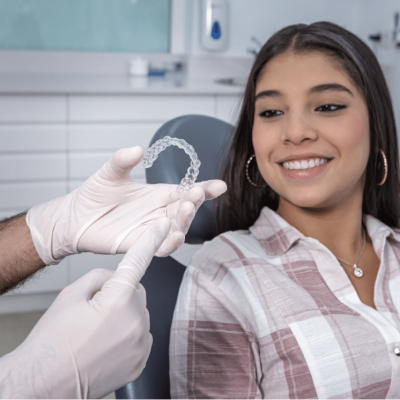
{"x":299,"y":297}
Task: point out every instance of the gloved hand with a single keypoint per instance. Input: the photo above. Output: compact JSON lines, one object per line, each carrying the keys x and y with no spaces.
{"x":107,"y":213}
{"x":95,"y":336}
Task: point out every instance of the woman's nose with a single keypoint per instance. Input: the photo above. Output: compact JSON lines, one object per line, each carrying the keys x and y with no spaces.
{"x":298,"y":127}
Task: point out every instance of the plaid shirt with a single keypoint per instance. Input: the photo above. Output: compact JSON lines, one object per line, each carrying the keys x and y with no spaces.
{"x":270,"y":313}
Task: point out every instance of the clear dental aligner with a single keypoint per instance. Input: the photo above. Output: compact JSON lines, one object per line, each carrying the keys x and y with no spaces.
{"x":153,"y":151}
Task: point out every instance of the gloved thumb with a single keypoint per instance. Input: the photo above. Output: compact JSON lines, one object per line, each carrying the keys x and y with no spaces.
{"x":133,"y":266}
{"x":121,"y":163}
{"x":88,"y":285}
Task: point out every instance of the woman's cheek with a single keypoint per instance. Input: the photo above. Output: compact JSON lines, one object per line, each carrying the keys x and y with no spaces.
{"x":359,"y":127}
{"x":353,"y":134}
{"x":261,"y":139}
{"x":263,"y":145}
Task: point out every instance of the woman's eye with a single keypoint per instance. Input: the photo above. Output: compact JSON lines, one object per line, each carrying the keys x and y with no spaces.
{"x":330,"y":107}
{"x":270,"y":113}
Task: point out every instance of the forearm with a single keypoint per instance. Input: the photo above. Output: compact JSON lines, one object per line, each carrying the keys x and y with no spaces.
{"x":18,"y":257}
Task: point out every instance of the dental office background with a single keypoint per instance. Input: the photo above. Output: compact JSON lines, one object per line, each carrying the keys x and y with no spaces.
{"x":80,"y":79}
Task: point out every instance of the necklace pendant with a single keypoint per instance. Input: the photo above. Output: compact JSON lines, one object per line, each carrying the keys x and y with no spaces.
{"x":357,"y":271}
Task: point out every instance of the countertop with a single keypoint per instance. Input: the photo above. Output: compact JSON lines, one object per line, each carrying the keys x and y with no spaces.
{"x":113,"y":84}
{"x":70,"y":73}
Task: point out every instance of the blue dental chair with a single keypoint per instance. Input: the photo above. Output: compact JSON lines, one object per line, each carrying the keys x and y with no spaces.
{"x":210,"y":137}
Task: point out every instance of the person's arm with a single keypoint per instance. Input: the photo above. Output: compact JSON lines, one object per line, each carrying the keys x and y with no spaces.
{"x":18,"y":257}
{"x":213,"y":353}
{"x":95,"y":336}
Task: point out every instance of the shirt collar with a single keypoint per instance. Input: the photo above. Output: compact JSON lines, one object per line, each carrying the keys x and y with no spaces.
{"x":276,"y":235}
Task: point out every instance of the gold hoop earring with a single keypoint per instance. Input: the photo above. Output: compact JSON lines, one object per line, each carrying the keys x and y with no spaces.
{"x":247,"y":173}
{"x":386,"y":168}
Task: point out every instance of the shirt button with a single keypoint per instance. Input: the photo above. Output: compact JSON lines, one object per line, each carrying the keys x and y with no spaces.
{"x":397,"y":351}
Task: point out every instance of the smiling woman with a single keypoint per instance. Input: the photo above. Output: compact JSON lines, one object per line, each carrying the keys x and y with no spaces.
{"x":299,"y":295}
{"x":344,"y":54}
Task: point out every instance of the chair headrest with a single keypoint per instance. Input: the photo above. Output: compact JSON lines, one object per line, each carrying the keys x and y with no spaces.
{"x":210,"y":138}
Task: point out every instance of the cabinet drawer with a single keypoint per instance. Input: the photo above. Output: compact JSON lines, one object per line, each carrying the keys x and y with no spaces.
{"x":83,"y":165}
{"x":33,"y":108}
{"x":31,"y":138}
{"x":110,"y":136}
{"x":28,"y":167}
{"x":22,"y":196}
{"x":120,"y":108}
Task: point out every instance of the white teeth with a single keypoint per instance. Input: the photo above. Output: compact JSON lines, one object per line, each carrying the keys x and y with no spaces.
{"x":305,"y":164}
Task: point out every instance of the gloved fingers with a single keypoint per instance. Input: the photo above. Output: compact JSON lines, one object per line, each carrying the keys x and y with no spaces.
{"x":141,"y":364}
{"x":146,"y":324}
{"x":89,"y":284}
{"x":121,"y":163}
{"x":201,"y":191}
{"x":196,"y":195}
{"x":141,"y":299}
{"x":135,"y":262}
{"x":149,"y":345}
{"x":146,"y":343}
{"x":112,"y":299}
{"x":171,"y":244}
{"x":213,"y":188}
{"x":130,"y":240}
{"x":184,"y":217}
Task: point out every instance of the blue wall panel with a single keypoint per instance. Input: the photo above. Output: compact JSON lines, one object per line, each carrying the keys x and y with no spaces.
{"x":85,"y":25}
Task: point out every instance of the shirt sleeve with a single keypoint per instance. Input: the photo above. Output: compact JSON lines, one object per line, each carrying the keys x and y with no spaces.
{"x":212,"y":349}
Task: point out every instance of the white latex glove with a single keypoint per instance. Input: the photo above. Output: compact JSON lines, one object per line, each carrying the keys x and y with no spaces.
{"x":107,"y":213}
{"x":95,"y":336}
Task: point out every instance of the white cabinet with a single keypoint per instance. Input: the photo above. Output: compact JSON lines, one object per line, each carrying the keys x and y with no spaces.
{"x":110,"y":136}
{"x":23,"y":195}
{"x":32,"y":138}
{"x":33,"y":108}
{"x":91,"y":145}
{"x":28,"y":167}
{"x":126,"y":108}
{"x":83,"y":165}
{"x":33,"y":158}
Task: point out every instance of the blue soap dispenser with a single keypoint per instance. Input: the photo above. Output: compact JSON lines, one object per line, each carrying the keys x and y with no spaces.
{"x":214,"y":24}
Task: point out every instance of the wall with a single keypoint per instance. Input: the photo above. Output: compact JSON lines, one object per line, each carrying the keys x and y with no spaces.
{"x":373,"y":16}
{"x":261,"y":18}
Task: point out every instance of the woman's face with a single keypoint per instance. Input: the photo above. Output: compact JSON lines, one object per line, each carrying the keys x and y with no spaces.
{"x":307,"y":104}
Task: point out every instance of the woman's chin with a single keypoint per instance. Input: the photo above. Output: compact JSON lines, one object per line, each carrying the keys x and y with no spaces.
{"x":307,"y":200}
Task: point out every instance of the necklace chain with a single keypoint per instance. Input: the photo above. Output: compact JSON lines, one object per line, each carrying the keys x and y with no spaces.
{"x":357,"y":271}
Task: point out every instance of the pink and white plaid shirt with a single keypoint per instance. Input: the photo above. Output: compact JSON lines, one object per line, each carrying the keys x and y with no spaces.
{"x":270,"y":313}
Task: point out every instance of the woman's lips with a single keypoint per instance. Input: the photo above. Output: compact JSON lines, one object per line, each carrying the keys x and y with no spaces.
{"x":301,"y":174}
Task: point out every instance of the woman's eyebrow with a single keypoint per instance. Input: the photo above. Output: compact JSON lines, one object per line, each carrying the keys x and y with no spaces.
{"x":268,"y":93}
{"x":316,"y":89}
{"x":331,"y":87}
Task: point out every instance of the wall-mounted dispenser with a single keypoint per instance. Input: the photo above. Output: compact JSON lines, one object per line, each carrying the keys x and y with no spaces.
{"x":214,"y":24}
{"x":388,"y":38}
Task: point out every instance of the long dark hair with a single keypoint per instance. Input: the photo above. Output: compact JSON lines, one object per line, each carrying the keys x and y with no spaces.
{"x":241,"y":205}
